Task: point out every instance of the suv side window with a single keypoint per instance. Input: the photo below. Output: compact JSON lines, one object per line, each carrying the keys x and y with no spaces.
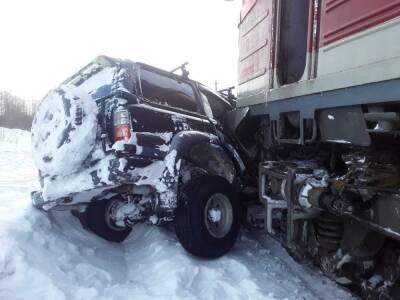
{"x":218,"y":106}
{"x":167,"y":91}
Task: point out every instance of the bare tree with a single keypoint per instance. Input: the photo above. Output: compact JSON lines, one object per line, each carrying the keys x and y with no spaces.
{"x":15,"y":112}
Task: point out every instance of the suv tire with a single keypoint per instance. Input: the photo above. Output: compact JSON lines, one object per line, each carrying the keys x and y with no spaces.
{"x":96,"y":220}
{"x":64,"y":130}
{"x":207,"y":220}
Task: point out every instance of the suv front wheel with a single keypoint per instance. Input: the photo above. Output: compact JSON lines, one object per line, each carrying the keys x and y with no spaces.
{"x":207,"y":220}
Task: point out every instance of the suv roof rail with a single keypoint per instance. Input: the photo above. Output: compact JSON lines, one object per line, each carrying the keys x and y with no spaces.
{"x":182,"y":67}
{"x":227,"y":92}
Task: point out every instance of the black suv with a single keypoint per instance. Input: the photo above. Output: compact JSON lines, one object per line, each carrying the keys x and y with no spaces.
{"x":120,"y":143}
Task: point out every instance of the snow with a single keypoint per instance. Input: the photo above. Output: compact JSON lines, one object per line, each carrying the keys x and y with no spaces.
{"x":170,"y":160}
{"x":49,"y":256}
{"x":166,"y":136}
{"x":215,"y":215}
{"x":120,"y":145}
{"x":82,"y":181}
{"x":151,"y":176}
{"x":14,"y":139}
{"x":339,"y":141}
{"x":54,"y":188}
{"x":101,"y":79}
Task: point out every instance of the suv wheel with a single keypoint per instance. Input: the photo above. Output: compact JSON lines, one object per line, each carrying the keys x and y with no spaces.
{"x":207,"y":220}
{"x":98,"y":220}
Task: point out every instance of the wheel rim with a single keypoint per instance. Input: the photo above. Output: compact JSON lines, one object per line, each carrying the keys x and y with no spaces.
{"x":218,"y":215}
{"x":111,"y":208}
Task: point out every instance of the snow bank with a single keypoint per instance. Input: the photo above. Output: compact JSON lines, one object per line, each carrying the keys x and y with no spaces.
{"x":49,"y":256}
{"x":14,"y":140}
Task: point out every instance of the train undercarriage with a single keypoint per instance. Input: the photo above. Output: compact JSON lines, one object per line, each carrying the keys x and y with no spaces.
{"x":339,"y":207}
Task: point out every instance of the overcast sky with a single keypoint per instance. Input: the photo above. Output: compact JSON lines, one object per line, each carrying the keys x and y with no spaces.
{"x":42,"y":42}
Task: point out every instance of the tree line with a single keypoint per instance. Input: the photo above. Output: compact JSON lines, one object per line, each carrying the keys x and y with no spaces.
{"x":16,"y":112}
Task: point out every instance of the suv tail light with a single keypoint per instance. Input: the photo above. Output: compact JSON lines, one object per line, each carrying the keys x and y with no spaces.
{"x":122,"y":124}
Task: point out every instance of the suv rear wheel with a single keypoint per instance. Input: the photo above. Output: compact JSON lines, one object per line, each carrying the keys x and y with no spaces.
{"x":207,"y":220}
{"x":98,"y":220}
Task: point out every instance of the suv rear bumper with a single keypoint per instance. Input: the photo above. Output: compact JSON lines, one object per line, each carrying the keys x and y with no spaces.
{"x":66,"y":192}
{"x":78,"y":189}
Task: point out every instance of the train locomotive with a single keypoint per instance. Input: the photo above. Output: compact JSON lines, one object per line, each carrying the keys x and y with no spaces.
{"x":319,"y":86}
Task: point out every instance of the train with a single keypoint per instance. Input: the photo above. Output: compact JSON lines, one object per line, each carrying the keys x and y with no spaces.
{"x":319,"y":92}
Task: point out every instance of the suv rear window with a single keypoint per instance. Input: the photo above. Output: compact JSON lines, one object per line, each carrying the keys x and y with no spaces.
{"x":167,"y":91}
{"x":95,"y":79}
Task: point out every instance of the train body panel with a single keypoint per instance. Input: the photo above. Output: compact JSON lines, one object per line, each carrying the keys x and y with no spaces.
{"x":343,"y":18}
{"x":318,"y":46}
{"x":255,"y":47}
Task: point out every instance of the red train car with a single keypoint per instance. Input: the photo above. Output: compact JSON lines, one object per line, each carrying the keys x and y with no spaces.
{"x":295,"y":48}
{"x":319,"y":81}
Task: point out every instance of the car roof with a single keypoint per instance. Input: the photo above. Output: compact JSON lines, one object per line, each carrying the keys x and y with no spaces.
{"x":111,"y":61}
{"x":168,"y":73}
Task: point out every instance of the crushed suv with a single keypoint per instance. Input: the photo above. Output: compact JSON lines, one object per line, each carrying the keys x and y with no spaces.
{"x":121,"y":142}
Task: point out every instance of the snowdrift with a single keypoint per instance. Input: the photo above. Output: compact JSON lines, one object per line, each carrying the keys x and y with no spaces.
{"x":14,"y":140}
{"x":49,"y":256}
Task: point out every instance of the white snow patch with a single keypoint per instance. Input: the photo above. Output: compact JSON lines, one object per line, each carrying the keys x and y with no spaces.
{"x":170,"y":161}
{"x":215,"y":215}
{"x":77,"y":182}
{"x":14,"y":140}
{"x":375,"y":280}
{"x":103,"y":77}
{"x":152,"y":174}
{"x":166,"y":136}
{"x":339,"y":141}
{"x":163,"y":147}
{"x":120,"y":145}
{"x":153,"y":219}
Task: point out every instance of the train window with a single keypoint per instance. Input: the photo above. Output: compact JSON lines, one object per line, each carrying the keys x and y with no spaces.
{"x":293,"y":40}
{"x":167,"y":91}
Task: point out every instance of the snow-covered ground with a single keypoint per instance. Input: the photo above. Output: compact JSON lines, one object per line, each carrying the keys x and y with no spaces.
{"x":49,"y":256}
